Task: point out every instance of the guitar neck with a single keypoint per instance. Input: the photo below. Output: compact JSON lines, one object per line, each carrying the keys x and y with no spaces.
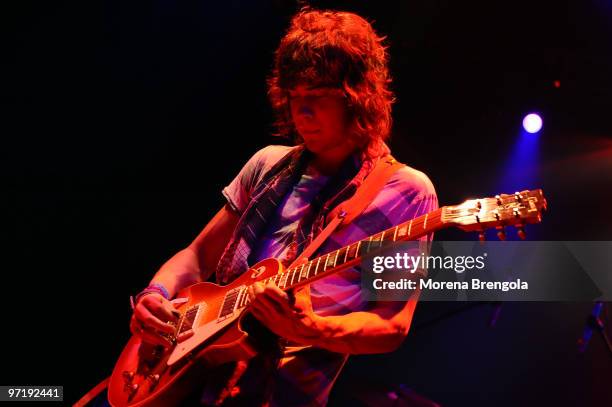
{"x":350,"y":255}
{"x":503,"y":210}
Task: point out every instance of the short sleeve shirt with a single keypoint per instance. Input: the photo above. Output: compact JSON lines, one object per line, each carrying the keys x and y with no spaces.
{"x":306,"y":374}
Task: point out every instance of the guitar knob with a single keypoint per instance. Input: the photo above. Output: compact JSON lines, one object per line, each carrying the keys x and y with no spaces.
{"x":128,"y":376}
{"x":153,"y":378}
{"x":481,"y":237}
{"x":131,"y":389}
{"x":521,"y":233}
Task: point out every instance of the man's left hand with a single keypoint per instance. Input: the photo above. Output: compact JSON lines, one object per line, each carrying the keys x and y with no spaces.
{"x":291,"y":319}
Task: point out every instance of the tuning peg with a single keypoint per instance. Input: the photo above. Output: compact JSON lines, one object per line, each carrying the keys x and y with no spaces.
{"x":501,"y":234}
{"x":521,"y":232}
{"x":518,"y":197}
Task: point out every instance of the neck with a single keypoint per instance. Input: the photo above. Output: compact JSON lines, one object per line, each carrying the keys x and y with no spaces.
{"x":329,"y":162}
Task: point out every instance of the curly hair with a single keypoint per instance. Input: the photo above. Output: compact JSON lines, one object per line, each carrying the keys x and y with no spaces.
{"x":341,"y":50}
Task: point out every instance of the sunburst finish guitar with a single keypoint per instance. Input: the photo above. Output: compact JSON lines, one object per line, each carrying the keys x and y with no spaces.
{"x":212,"y":327}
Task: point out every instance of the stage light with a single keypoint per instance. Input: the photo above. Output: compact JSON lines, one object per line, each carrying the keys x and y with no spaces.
{"x":532,"y":123}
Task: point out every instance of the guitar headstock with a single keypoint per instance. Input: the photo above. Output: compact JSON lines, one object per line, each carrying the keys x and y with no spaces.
{"x":516,"y":209}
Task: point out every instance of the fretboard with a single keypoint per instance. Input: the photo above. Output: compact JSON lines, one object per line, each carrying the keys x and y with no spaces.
{"x":350,"y":255}
{"x":337,"y":260}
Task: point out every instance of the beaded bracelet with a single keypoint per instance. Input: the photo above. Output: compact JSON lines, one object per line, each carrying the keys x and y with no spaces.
{"x":154,"y":288}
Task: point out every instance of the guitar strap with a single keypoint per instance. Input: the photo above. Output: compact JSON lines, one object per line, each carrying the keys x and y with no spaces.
{"x":350,"y":209}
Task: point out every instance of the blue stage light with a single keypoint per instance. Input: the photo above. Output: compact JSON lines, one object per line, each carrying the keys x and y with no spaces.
{"x":532,"y":123}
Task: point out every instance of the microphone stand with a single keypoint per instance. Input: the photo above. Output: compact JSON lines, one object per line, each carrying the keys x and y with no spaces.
{"x":594,"y":322}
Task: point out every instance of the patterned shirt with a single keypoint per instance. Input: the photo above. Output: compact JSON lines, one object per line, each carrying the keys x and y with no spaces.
{"x":296,"y":204}
{"x":305,"y":375}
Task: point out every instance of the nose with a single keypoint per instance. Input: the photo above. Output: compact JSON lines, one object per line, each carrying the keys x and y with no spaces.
{"x":306,"y":111}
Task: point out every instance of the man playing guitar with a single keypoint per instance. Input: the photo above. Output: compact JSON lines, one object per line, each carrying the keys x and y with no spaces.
{"x":329,"y":89}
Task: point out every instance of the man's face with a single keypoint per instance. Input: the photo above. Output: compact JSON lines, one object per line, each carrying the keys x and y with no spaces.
{"x":320,"y":116}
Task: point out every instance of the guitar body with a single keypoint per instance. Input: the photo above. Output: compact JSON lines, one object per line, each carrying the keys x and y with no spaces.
{"x":148,"y":375}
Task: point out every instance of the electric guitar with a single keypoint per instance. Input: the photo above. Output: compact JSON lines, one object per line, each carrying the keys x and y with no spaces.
{"x":213,"y":327}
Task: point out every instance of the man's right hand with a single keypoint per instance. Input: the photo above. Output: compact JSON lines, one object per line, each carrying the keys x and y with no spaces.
{"x":153,"y":314}
{"x":153,"y":317}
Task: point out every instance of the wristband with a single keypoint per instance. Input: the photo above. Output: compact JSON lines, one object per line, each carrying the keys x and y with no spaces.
{"x":159,"y":288}
{"x":154,"y":288}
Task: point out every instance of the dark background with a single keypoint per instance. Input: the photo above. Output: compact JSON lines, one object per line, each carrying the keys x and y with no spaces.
{"x":122,"y":121}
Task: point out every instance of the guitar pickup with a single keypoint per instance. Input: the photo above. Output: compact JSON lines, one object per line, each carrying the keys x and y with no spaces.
{"x":188,"y":321}
{"x":231,"y":302}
